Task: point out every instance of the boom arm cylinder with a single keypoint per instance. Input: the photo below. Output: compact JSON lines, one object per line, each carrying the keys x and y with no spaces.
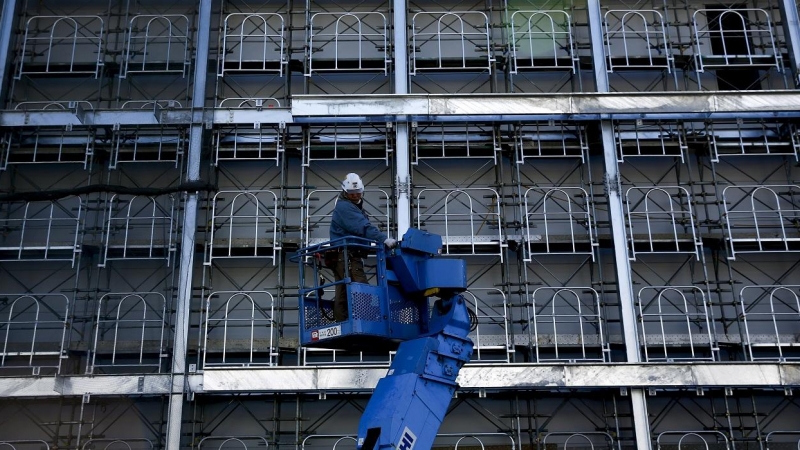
{"x":409,"y":403}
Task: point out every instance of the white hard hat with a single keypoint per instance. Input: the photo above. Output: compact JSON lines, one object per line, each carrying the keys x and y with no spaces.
{"x":352,"y":184}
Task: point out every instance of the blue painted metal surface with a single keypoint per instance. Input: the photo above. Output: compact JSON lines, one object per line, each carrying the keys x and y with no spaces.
{"x":409,"y":403}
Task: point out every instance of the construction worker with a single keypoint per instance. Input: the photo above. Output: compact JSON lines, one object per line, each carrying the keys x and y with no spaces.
{"x":350,"y":219}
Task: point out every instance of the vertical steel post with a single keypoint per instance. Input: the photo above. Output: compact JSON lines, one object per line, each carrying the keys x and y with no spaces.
{"x":402,"y":155}
{"x":400,"y":47}
{"x":616,"y":214}
{"x":184,"y":300}
{"x":791,"y":27}
{"x":6,"y":28}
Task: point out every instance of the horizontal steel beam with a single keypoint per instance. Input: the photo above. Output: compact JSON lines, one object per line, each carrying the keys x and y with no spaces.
{"x":473,"y":377}
{"x":514,"y":377}
{"x":574,"y":106}
{"x":172,"y":116}
{"x":40,"y":386}
{"x":251,"y":116}
{"x":438,"y":107}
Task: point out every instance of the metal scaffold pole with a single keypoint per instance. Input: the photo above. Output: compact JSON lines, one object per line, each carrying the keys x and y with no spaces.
{"x":402,"y":161}
{"x":791,"y":25}
{"x":617,"y":219}
{"x":6,"y":28}
{"x":184,"y":300}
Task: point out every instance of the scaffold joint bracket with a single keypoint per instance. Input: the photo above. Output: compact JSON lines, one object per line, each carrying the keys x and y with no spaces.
{"x":612,"y":184}
{"x":404,"y":186}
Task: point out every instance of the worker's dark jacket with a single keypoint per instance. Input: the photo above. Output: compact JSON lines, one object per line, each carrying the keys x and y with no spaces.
{"x":349,"y":219}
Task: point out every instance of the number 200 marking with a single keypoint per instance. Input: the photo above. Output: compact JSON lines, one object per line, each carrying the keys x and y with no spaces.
{"x":330,"y":332}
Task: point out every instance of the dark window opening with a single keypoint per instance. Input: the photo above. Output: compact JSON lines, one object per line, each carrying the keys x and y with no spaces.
{"x":734,"y":43}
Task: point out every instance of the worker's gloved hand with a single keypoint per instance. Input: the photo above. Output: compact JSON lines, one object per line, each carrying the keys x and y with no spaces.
{"x":390,"y":243}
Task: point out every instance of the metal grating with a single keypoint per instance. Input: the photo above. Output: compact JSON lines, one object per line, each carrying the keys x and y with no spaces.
{"x":365,"y":305}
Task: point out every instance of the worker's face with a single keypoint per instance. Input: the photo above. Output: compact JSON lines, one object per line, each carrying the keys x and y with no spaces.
{"x":353,"y":197}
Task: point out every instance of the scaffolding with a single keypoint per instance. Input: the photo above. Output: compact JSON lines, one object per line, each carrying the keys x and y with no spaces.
{"x":42,"y":230}
{"x":239,"y":330}
{"x":130,"y":323}
{"x":34,"y":328}
{"x":253,"y":43}
{"x":620,"y":179}
{"x":244,"y":224}
{"x":140,"y":227}
{"x":734,"y":38}
{"x":468,"y":219}
{"x":566,"y":325}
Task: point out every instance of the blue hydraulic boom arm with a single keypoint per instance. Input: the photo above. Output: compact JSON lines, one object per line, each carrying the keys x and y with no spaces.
{"x":409,"y":403}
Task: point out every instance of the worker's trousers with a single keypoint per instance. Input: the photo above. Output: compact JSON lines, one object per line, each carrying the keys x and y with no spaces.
{"x":356,"y":274}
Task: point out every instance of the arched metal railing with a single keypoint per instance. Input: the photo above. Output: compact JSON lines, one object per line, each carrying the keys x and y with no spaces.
{"x":675,"y":324}
{"x":660,"y":220}
{"x":140,"y":227}
{"x":244,"y":224}
{"x":771,"y":319}
{"x":762,"y":218}
{"x":448,"y":41}
{"x":33,"y":329}
{"x":468,"y":219}
{"x":130,"y":331}
{"x":685,"y":440}
{"x":558,"y":221}
{"x":157,"y":44}
{"x":62,"y":45}
{"x":239,"y":329}
{"x":253,"y":42}
{"x":566,"y":324}
{"x":542,"y":40}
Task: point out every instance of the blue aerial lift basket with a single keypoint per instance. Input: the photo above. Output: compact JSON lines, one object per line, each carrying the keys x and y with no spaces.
{"x":390,"y":309}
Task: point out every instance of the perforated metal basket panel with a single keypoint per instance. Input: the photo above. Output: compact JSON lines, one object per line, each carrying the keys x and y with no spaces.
{"x":366,"y":306}
{"x":317,"y":317}
{"x":403,"y":311}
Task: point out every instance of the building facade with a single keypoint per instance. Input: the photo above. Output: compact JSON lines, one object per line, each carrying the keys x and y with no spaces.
{"x":621,"y":178}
